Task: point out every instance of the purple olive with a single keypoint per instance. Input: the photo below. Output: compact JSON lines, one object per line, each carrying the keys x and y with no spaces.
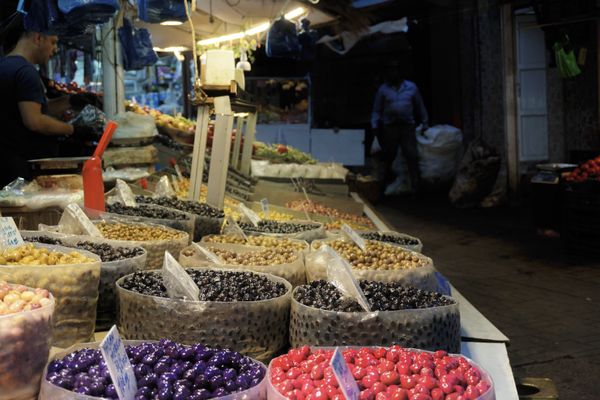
{"x":201,"y":382}
{"x":200,"y":394}
{"x":216,"y":382}
{"x":182,"y":393}
{"x":219,"y":392}
{"x":164,"y":394}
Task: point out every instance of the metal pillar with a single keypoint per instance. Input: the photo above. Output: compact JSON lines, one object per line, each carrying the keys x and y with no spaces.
{"x":112,"y":71}
{"x":235,"y":154}
{"x":250,"y":133}
{"x":199,"y":151}
{"x":219,"y":159}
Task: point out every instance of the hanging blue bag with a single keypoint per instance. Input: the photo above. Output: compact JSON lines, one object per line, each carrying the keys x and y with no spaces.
{"x":156,"y":11}
{"x":136,"y":47}
{"x":88,"y":11}
{"x":41,"y":16}
{"x":282,"y":39}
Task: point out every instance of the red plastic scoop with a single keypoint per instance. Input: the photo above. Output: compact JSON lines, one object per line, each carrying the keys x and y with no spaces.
{"x":93,"y":185}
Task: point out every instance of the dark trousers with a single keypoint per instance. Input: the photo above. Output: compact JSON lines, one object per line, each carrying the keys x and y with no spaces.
{"x":401,"y":135}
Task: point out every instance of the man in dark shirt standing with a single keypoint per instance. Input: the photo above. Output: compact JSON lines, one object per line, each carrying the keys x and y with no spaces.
{"x":29,"y":127}
{"x":397,"y":110}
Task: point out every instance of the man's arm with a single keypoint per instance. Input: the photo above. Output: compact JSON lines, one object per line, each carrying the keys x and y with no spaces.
{"x":420,"y":109}
{"x":34,"y":120}
{"x":58,"y":106}
{"x":377,"y":109}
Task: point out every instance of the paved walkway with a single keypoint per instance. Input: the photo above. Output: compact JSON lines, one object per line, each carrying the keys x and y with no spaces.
{"x":547,"y":303}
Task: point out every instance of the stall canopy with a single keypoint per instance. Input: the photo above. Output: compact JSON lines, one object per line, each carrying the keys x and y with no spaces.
{"x":222,"y":17}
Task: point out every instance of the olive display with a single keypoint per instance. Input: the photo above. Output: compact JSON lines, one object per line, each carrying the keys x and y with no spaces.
{"x":105,"y":251}
{"x":144,"y":211}
{"x":388,"y":238}
{"x":120,"y":231}
{"x":29,"y":254}
{"x":262,"y":241}
{"x":269,"y":226}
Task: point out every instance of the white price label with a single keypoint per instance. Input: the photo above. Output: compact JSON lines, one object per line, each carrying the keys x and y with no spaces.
{"x":83,"y":220}
{"x":343,"y":375}
{"x":355,"y":237}
{"x":264,"y":203}
{"x":118,"y":365}
{"x":339,"y":273}
{"x":177,"y":282}
{"x":212,"y":257}
{"x":9,"y":234}
{"x":125,"y":194}
{"x":249,"y":214}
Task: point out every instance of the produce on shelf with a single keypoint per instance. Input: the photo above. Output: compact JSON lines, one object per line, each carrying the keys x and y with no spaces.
{"x":588,"y":171}
{"x":281,"y":153}
{"x":71,"y":276}
{"x":64,"y":88}
{"x":162,"y":120}
{"x":318,"y":208}
{"x":380,"y":373}
{"x":163,"y":370}
{"x":245,"y":311}
{"x":25,"y":332}
{"x":263,"y":241}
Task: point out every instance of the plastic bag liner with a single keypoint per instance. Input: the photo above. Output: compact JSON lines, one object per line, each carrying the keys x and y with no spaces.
{"x":203,"y":225}
{"x":293,"y":272}
{"x":137,"y":49}
{"x":318,"y":232}
{"x":110,"y":272}
{"x":186,"y":225}
{"x":274,"y":394}
{"x":430,"y":328}
{"x":24,"y":347}
{"x":163,"y":188}
{"x":440,"y":149}
{"x":52,"y":392}
{"x":420,"y":277}
{"x":75,"y":289}
{"x":257,"y":329}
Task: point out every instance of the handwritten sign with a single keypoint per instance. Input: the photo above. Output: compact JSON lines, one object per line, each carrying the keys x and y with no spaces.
{"x":9,"y":234}
{"x":355,"y":237}
{"x":249,"y":214}
{"x":177,"y":282}
{"x":343,"y":375}
{"x":339,"y":273}
{"x":264,"y":203}
{"x":118,"y":365}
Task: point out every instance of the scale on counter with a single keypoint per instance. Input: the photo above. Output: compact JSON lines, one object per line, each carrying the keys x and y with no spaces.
{"x":57,"y":166}
{"x":550,"y":173}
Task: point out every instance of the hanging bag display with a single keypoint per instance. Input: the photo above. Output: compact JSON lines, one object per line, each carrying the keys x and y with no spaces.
{"x":156,"y":11}
{"x":89,"y":11}
{"x":137,"y":47}
{"x":282,"y":39}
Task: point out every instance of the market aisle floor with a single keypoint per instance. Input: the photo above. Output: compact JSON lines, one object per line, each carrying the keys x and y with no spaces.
{"x":547,"y":303}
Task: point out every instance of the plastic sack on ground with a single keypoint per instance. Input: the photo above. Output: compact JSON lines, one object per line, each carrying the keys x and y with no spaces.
{"x":421,"y":277}
{"x":435,"y":328}
{"x":137,"y":48}
{"x":24,"y":346}
{"x":52,"y":392}
{"x":476,"y":175}
{"x":75,"y":290}
{"x":292,"y":272}
{"x":402,"y":182}
{"x":134,"y":126}
{"x":257,"y":329}
{"x":440,"y":149}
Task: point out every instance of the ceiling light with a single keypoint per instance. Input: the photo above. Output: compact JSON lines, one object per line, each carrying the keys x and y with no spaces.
{"x":295,"y":13}
{"x":243,"y":64}
{"x":173,"y":49}
{"x":171,"y":23}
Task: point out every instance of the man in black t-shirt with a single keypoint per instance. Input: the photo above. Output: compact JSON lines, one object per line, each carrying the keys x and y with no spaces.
{"x":29,"y":127}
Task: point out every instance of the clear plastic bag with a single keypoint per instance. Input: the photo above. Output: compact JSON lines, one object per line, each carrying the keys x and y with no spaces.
{"x":293,"y":272}
{"x":420,"y":277}
{"x":436,"y":328}
{"x":75,"y":289}
{"x":137,"y":49}
{"x":52,"y":392}
{"x":274,"y":394}
{"x":257,"y":329}
{"x":24,"y":347}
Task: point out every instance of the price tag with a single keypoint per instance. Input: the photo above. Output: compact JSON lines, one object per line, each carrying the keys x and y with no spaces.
{"x":9,"y":234}
{"x":178,"y":283}
{"x":209,"y":254}
{"x":125,"y":194}
{"x":264,"y":203}
{"x":339,"y":273}
{"x":343,"y":375}
{"x":248,"y":213}
{"x":355,"y":237}
{"x":119,"y":367}
{"x":234,"y":229}
{"x":73,"y":214}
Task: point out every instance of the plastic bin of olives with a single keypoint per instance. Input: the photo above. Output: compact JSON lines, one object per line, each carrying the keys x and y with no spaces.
{"x":208,"y":219}
{"x":72,"y":276}
{"x":286,"y":263}
{"x":302,"y":230}
{"x":241,"y":310}
{"x":404,"y":315}
{"x":381,"y":262}
{"x":155,"y":239}
{"x":116,"y":262}
{"x":25,"y":334}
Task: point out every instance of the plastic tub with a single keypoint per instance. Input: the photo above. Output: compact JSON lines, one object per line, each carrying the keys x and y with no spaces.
{"x":75,"y":289}
{"x":292,"y":272}
{"x":49,"y":391}
{"x":274,"y":394}
{"x":421,"y":277}
{"x":24,"y":346}
{"x":155,"y":248}
{"x":257,"y":329}
{"x":435,"y":328}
